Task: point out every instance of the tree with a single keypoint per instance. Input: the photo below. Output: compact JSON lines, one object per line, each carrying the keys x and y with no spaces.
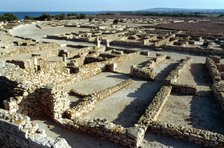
{"x":82,"y":16}
{"x":44,"y":17}
{"x":72,"y":14}
{"x":28,"y":18}
{"x":60,"y":16}
{"x":8,"y":17}
{"x":90,"y":19}
{"x":115,"y":21}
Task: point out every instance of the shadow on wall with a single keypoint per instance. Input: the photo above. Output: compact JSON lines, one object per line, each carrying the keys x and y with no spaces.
{"x":7,"y":89}
{"x":74,"y":139}
{"x":200,"y":74}
{"x":166,"y":71}
{"x":120,"y":76}
{"x":206,"y":114}
{"x":142,"y":97}
{"x":164,"y":141}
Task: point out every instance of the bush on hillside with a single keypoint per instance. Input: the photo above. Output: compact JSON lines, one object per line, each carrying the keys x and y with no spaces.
{"x":8,"y":17}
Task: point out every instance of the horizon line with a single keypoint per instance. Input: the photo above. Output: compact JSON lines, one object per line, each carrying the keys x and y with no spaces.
{"x":111,"y":10}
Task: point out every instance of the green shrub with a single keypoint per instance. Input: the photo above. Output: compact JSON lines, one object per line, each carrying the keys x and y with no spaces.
{"x":44,"y":17}
{"x":8,"y":17}
{"x":115,"y":21}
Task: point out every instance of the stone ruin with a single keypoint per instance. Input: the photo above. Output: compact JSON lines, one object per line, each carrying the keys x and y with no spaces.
{"x":35,"y":86}
{"x":35,"y":95}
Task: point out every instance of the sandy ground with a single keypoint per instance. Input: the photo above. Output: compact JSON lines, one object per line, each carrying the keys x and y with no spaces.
{"x":31,"y":31}
{"x":126,"y":106}
{"x":97,"y":83}
{"x":155,"y":141}
{"x":198,"y":112}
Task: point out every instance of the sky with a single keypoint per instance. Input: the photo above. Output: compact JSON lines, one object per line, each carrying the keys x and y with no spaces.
{"x":102,"y":5}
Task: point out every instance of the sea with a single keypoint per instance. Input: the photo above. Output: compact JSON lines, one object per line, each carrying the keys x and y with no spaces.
{"x":21,"y":15}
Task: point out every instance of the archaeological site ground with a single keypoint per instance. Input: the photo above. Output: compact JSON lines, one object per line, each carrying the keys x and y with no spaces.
{"x":134,"y":82}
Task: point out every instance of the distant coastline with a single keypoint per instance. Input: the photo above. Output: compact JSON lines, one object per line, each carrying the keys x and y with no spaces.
{"x":152,"y":11}
{"x":21,"y":15}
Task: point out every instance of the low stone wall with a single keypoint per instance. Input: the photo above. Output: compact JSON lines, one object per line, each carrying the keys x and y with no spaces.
{"x":77,"y":93}
{"x":88,"y":103}
{"x":100,"y":128}
{"x":184,"y":89}
{"x":142,"y":73}
{"x":127,"y":43}
{"x":194,"y":50}
{"x":48,"y":100}
{"x":155,"y":107}
{"x":17,"y":130}
{"x":53,"y":102}
{"x":157,"y":60}
{"x":213,"y":70}
{"x":162,"y":42}
{"x":92,"y":69}
{"x":218,"y":89}
{"x":151,"y":114}
{"x":50,"y":73}
{"x":146,"y":72}
{"x":28,"y":49}
{"x":218,"y":84}
{"x":206,"y":138}
{"x":21,"y":64}
{"x":183,"y":65}
{"x":127,"y":51}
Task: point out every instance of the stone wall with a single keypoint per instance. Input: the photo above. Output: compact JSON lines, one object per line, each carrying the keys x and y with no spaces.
{"x":184,"y":89}
{"x":17,"y":130}
{"x":146,"y":72}
{"x":53,"y":101}
{"x":206,"y":138}
{"x":88,"y":103}
{"x":49,"y":100}
{"x":213,"y":70}
{"x":183,"y":65}
{"x":50,"y":73}
{"x":162,"y":42}
{"x":152,"y":112}
{"x":198,"y":51}
{"x":213,"y":66}
{"x":40,"y":91}
{"x":127,"y":43}
{"x":157,"y":60}
{"x":142,"y":73}
{"x":101,"y":128}
{"x":155,"y":107}
{"x":218,"y":89}
{"x":28,"y":49}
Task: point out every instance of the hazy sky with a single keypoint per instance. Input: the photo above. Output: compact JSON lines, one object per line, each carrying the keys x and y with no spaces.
{"x":98,"y":5}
